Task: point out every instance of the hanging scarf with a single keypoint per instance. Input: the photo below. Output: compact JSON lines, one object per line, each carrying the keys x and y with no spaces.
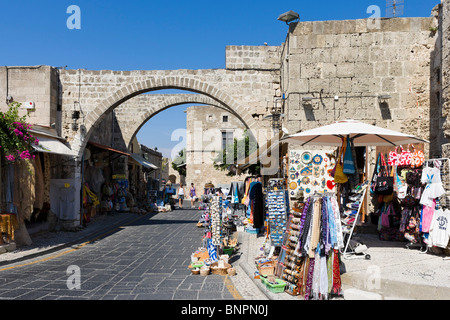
{"x":298,"y":251}
{"x":337,"y":219}
{"x":315,"y":232}
{"x":307,"y":243}
{"x":315,"y":289}
{"x":324,"y":239}
{"x":330,"y":271}
{"x":305,"y":226}
{"x":309,"y":279}
{"x":323,"y":288}
{"x":301,"y":284}
{"x":336,"y":289}
{"x":332,"y":226}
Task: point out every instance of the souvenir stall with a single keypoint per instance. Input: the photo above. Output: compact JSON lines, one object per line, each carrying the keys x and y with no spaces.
{"x":408,"y":191}
{"x":218,"y":243}
{"x":319,"y":229}
{"x":309,"y":259}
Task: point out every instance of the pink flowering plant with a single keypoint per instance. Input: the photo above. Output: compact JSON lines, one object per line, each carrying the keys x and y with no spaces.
{"x":16,"y":141}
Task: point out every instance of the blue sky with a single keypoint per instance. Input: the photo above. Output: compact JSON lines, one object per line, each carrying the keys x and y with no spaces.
{"x":147,"y":35}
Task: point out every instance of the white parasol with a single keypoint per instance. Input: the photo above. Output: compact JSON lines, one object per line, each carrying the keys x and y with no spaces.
{"x":362,"y":134}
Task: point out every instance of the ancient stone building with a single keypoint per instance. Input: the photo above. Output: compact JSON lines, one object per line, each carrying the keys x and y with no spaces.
{"x":208,"y":130}
{"x":394,"y":74}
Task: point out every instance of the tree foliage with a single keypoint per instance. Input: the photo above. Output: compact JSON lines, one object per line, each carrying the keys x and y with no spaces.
{"x":235,"y":153}
{"x":179,"y":160}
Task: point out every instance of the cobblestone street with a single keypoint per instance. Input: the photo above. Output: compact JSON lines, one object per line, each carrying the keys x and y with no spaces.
{"x":147,"y":259}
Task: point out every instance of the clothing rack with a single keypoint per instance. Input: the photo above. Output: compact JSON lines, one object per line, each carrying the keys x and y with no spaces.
{"x":440,"y":202}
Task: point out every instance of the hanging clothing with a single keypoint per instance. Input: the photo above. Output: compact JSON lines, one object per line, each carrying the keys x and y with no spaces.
{"x":256,"y":198}
{"x":440,"y":229}
{"x":315,"y":229}
{"x":427,"y":216}
{"x":434,"y":189}
{"x":237,"y":191}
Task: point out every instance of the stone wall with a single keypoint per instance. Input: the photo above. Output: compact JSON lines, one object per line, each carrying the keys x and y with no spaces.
{"x":445,"y":71}
{"x":246,"y":92}
{"x":346,"y":65}
{"x":38,"y":84}
{"x":204,"y":127}
{"x":253,"y":57}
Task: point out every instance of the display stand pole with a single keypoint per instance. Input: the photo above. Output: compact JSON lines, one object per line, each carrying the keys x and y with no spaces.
{"x":354,"y":223}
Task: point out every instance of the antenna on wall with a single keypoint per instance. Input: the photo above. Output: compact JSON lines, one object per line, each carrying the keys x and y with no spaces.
{"x":394,"y":8}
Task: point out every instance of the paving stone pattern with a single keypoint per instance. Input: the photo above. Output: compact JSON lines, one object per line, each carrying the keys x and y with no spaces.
{"x":147,"y":259}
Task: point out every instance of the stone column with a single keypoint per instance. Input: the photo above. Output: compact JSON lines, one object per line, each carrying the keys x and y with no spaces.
{"x":445,"y":72}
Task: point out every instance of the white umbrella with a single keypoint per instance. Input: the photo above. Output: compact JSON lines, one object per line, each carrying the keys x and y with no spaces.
{"x":362,"y":134}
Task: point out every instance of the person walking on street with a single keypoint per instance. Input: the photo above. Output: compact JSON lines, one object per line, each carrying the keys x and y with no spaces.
{"x":180,"y":196}
{"x":192,"y":195}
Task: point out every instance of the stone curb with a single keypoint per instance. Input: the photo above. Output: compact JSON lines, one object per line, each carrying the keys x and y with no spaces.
{"x":391,"y":289}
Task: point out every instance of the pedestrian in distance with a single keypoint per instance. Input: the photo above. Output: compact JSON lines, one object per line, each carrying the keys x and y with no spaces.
{"x":192,"y":194}
{"x":180,"y":196}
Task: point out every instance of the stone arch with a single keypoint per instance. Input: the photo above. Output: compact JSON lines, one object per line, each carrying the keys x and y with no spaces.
{"x":158,"y":103}
{"x":158,"y":83}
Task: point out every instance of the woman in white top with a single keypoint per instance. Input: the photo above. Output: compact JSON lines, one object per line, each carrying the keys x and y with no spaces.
{"x":180,"y":196}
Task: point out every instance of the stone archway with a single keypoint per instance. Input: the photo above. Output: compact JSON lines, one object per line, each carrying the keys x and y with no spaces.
{"x":133,"y":114}
{"x":157,"y":83}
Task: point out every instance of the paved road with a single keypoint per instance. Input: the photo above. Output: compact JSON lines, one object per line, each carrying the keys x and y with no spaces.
{"x":147,"y":259}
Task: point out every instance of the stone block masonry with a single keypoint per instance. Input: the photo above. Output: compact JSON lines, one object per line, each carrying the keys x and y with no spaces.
{"x":253,"y":57}
{"x":344,"y":66}
{"x":38,"y":84}
{"x":445,"y":72}
{"x":245,"y":92}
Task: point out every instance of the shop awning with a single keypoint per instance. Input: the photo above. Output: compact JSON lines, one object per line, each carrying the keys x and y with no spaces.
{"x":101,"y":146}
{"x":260,"y":153}
{"x":142,"y":161}
{"x":52,"y":145}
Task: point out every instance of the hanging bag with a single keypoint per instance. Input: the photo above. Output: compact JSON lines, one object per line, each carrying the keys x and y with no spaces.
{"x":400,"y":159}
{"x":349,"y":164}
{"x":339,"y":175}
{"x":376,"y":170}
{"x":394,"y":157}
{"x":417,"y":157}
{"x":385,"y":216}
{"x":385,"y":182}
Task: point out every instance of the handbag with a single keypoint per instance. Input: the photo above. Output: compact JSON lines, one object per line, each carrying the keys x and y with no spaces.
{"x":385,"y":216}
{"x":404,"y":158}
{"x":413,"y":178}
{"x":384,"y":183}
{"x":339,"y":175}
{"x":376,"y":170}
{"x":417,"y":157}
{"x":349,"y":165}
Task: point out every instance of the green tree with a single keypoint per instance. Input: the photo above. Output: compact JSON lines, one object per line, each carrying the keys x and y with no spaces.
{"x":179,"y":163}
{"x":235,"y":153}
